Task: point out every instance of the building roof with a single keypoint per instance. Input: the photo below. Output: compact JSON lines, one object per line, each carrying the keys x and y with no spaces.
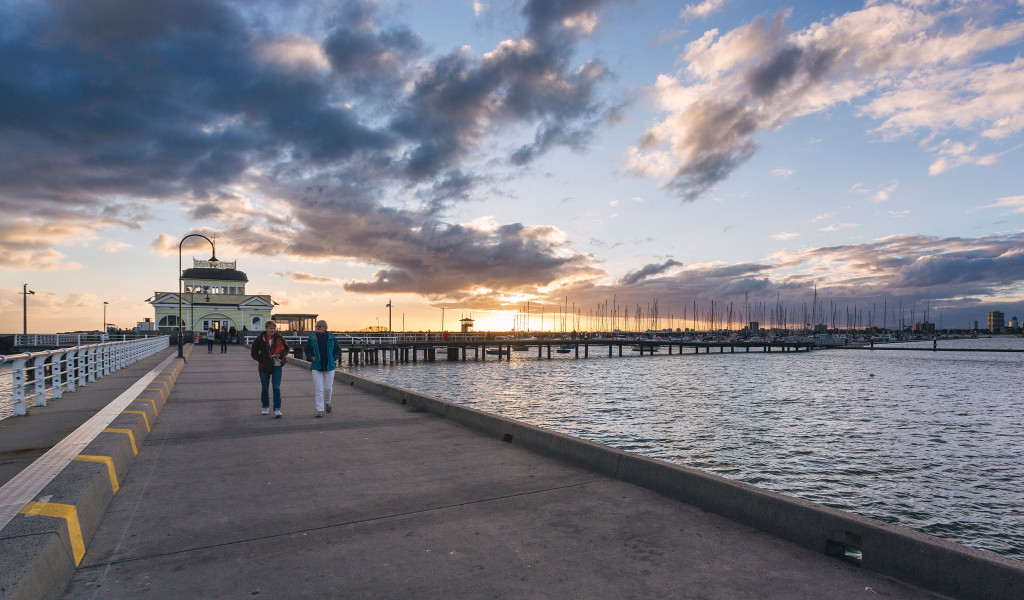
{"x":214,"y":274}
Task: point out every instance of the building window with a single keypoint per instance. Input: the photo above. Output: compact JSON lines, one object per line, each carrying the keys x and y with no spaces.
{"x":168,"y":322}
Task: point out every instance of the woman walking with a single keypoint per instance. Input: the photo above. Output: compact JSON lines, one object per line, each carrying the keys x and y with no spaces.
{"x":271,"y":351}
{"x":322,"y":350}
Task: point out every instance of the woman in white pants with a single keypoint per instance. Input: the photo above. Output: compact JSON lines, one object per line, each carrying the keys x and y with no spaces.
{"x":322,"y":351}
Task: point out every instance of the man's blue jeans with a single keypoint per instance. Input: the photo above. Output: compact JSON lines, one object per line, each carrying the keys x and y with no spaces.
{"x":273,"y":379}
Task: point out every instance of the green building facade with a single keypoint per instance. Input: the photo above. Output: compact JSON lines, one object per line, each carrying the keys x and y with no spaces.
{"x":212,"y":298}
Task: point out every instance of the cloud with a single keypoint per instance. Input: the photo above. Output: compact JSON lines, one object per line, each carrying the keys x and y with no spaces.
{"x":699,"y":11}
{"x":839,"y":226}
{"x":648,"y":271}
{"x":784,"y":235}
{"x":306,"y":278}
{"x":245,"y":119}
{"x":1016,"y":203}
{"x":910,"y":66}
{"x":783,"y":173}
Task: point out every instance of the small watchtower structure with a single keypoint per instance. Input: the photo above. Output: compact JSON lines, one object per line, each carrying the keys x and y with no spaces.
{"x":467,"y":324}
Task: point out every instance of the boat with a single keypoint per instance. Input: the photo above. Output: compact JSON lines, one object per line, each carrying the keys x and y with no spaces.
{"x":566,"y":348}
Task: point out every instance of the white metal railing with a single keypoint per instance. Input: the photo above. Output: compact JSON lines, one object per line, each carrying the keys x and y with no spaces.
{"x":381,"y":339}
{"x":53,"y":372}
{"x":58,"y":340}
{"x":345,"y":340}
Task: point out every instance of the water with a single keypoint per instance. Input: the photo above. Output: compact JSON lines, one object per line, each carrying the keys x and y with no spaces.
{"x":929,"y":441}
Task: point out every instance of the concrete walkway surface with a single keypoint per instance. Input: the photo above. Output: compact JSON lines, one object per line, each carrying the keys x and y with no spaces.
{"x":377,"y":500}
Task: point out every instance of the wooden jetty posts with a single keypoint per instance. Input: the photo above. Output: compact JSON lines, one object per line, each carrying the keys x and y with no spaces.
{"x":412,"y":352}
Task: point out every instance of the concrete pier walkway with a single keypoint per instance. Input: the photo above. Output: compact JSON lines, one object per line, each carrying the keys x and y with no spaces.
{"x":377,"y":500}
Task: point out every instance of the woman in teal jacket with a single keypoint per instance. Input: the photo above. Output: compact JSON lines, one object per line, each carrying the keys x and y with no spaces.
{"x":322,"y":350}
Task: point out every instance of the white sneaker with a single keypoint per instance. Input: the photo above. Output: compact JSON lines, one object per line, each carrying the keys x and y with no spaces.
{"x":265,"y":411}
{"x":277,"y":414}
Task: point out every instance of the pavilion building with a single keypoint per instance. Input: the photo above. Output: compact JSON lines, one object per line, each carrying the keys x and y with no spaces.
{"x":213,"y":297}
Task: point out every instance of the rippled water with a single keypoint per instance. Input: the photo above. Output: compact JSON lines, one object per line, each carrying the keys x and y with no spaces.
{"x":930,"y":441}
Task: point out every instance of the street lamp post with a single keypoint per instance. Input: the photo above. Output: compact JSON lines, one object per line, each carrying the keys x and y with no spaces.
{"x":25,"y":292}
{"x":213,"y":263}
{"x":105,"y":303}
{"x":389,"y":315}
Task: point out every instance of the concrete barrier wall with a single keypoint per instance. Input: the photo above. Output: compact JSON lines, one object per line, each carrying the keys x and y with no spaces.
{"x":938,"y":565}
{"x":46,"y":541}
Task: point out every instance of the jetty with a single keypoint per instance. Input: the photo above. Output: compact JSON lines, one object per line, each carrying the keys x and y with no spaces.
{"x":395,"y":494}
{"x":403,"y":349}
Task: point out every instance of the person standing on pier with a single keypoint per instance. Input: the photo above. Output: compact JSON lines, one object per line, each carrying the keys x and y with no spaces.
{"x":223,"y":336}
{"x":322,"y":351}
{"x":210,"y":335}
{"x":271,"y":351}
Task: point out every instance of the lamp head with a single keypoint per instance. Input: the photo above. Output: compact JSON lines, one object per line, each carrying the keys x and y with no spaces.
{"x":213,"y":260}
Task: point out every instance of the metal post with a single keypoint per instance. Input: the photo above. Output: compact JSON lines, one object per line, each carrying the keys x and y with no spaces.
{"x":213,"y":263}
{"x":25,"y":292}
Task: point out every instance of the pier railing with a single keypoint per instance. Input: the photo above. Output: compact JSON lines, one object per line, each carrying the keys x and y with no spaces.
{"x":382,"y":339}
{"x":59,"y":340}
{"x":36,"y":375}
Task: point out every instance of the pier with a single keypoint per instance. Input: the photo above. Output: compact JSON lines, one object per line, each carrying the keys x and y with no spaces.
{"x":402,"y":350}
{"x":398,"y":495}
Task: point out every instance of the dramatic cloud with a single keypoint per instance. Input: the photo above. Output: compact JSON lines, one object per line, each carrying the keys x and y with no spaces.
{"x":108,"y":107}
{"x":648,"y":271}
{"x":917,"y":68}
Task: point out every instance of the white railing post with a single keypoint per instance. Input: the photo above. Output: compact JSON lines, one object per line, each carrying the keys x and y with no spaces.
{"x":91,"y":361}
{"x":69,"y":368}
{"x":18,"y":390}
{"x":39,"y":373}
{"x":56,"y":373}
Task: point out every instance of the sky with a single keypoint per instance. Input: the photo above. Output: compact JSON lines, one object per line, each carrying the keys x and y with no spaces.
{"x":487,"y":158}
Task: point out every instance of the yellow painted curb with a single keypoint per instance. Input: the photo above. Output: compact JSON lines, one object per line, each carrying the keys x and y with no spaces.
{"x":151,"y":400}
{"x":107,"y":460}
{"x":131,"y":436}
{"x":145,"y":419}
{"x":64,"y":511}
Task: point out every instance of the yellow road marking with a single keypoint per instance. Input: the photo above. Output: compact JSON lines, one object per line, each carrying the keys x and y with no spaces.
{"x":145,"y":419}
{"x":131,"y":436}
{"x":155,"y":411}
{"x":64,"y":511}
{"x":107,"y":460}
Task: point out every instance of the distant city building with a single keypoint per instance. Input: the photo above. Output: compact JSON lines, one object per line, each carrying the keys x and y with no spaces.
{"x":996,"y":320}
{"x":923,"y":327}
{"x":1014,"y":323}
{"x":212,"y":298}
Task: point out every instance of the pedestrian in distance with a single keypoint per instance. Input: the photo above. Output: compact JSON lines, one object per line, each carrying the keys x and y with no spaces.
{"x":223,"y":340}
{"x":210,"y":335}
{"x":322,"y":350}
{"x":271,"y":352}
